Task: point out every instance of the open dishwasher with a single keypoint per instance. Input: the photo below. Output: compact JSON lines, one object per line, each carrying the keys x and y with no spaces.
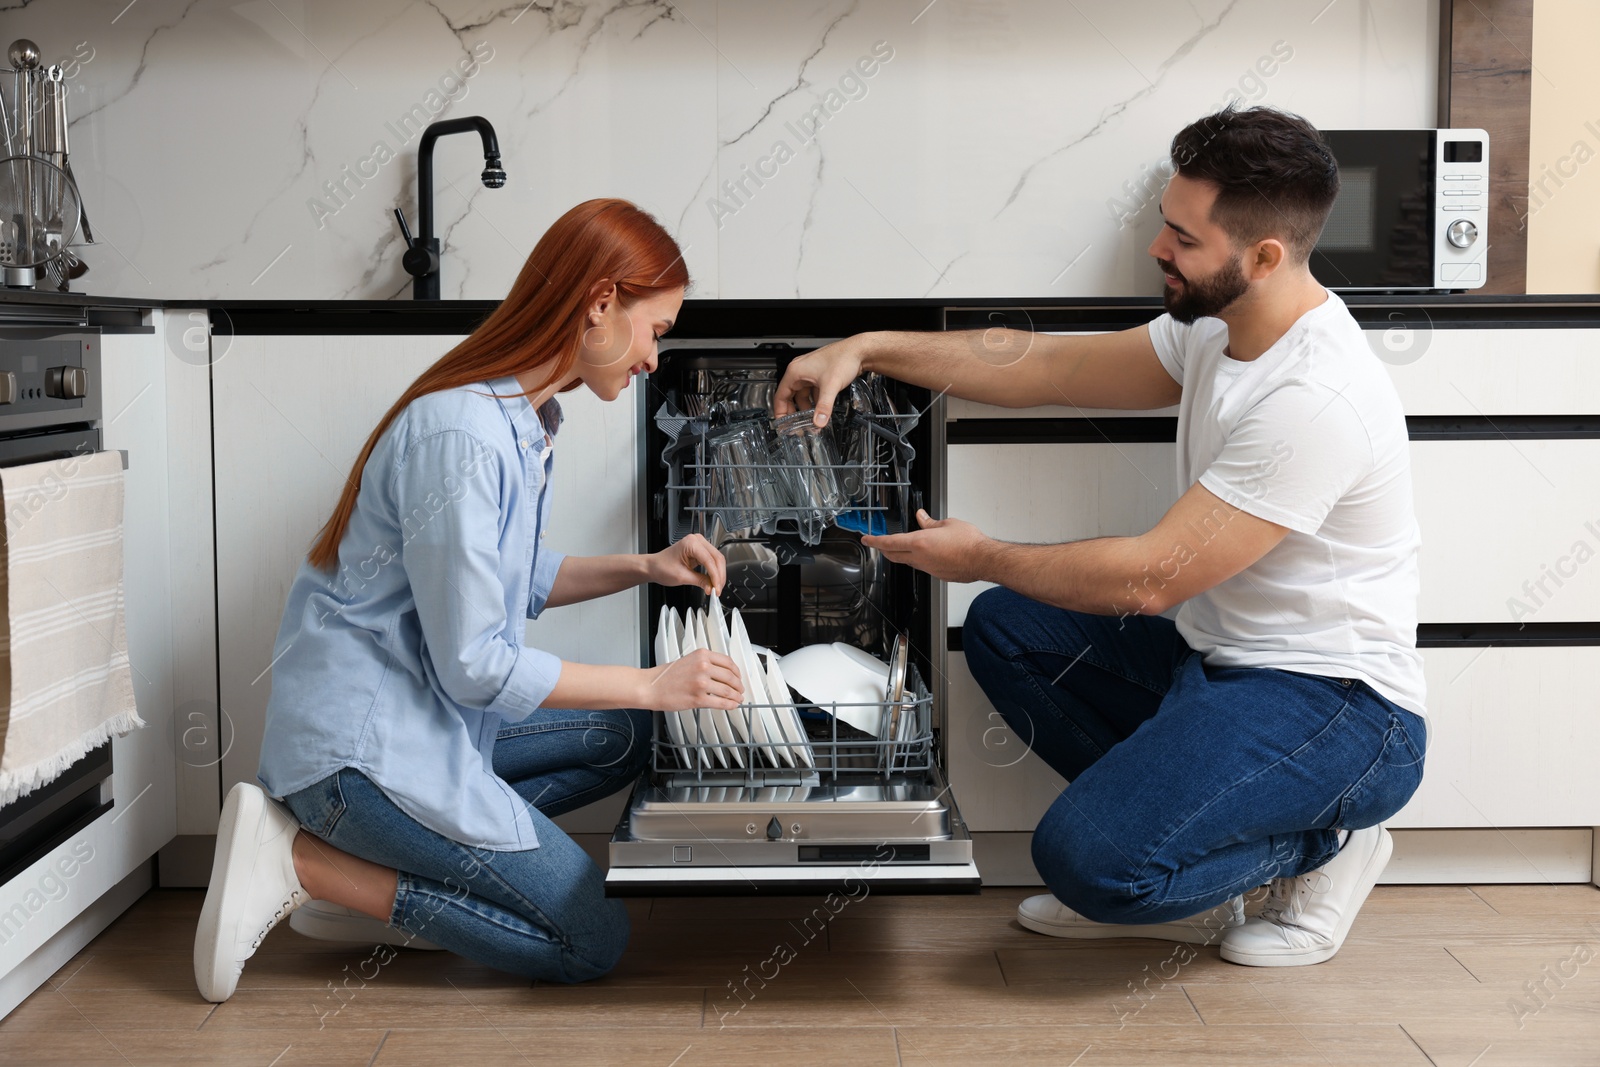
{"x":793,"y":791}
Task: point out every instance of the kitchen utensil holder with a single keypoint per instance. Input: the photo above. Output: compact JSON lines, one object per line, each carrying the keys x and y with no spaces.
{"x":693,"y":762}
{"x":878,"y":499}
{"x":43,"y":204}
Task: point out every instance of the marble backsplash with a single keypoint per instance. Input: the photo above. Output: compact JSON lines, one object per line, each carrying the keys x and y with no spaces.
{"x":836,"y":148}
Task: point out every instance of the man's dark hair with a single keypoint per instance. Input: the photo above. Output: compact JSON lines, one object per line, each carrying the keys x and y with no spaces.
{"x":1274,"y":174}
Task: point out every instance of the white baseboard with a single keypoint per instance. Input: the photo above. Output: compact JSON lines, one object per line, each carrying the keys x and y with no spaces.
{"x":1434,"y":856}
{"x":20,"y":981}
{"x":1478,"y":857}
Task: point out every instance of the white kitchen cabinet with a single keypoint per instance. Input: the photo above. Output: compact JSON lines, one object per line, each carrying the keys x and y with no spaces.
{"x":1497,"y":371}
{"x":1513,"y":732}
{"x":1048,"y":493}
{"x":1002,"y":784}
{"x":1510,"y":529}
{"x":1441,"y":372}
{"x":1513,"y":736}
{"x":292,"y":413}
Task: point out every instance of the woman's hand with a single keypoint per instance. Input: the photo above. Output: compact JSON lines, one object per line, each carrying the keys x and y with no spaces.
{"x":676,"y":565}
{"x":702,"y":679}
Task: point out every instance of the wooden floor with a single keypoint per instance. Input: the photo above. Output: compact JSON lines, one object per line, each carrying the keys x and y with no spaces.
{"x":1447,"y":976}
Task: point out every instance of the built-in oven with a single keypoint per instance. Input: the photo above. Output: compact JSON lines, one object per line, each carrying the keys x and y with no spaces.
{"x":803,"y":790}
{"x":50,"y":408}
{"x":1412,"y":212}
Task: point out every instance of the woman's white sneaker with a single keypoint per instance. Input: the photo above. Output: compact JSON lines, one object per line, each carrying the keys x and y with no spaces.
{"x":253,"y":885}
{"x":1307,"y":918}
{"x":1046,"y":915}
{"x":334,"y":922}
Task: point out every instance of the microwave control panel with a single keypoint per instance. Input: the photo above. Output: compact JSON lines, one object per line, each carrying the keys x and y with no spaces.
{"x":1461,"y":207}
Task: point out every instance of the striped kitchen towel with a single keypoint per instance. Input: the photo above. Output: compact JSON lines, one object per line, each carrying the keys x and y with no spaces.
{"x":65,"y":644}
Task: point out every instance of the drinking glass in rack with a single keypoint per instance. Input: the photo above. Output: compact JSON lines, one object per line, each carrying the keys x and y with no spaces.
{"x":737,"y":465}
{"x":809,"y":461}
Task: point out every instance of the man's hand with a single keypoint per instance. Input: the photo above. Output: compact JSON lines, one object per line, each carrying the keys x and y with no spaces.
{"x":945,"y":548}
{"x":676,"y":565}
{"x":814,"y":379}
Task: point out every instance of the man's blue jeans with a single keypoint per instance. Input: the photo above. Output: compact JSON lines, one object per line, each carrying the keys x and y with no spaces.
{"x":1188,"y":784}
{"x":542,"y":912}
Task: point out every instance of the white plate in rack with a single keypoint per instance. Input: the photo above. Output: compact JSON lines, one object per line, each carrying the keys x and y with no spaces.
{"x":698,"y":732}
{"x":763,"y":723}
{"x":667,"y":631}
{"x":712,"y":634}
{"x":789,"y":716}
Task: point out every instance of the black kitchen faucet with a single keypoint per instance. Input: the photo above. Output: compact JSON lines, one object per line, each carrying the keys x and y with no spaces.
{"x":421,"y":259}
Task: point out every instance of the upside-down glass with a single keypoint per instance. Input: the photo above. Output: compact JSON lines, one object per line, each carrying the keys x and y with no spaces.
{"x":740,"y":489}
{"x":809,"y":461}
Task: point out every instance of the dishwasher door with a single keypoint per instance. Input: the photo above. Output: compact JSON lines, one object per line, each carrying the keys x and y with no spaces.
{"x":862,"y":808}
{"x":900,"y":833}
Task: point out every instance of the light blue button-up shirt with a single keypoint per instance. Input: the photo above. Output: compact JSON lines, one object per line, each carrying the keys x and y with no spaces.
{"x":405,"y":661}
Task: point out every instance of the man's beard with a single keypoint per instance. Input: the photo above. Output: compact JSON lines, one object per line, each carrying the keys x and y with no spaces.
{"x":1202,"y":297}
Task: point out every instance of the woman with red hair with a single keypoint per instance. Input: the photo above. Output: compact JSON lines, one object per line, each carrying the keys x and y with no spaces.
{"x":415,"y":747}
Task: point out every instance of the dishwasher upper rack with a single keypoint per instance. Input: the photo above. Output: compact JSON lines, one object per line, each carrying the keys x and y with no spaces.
{"x":881,"y":493}
{"x":693,"y":762}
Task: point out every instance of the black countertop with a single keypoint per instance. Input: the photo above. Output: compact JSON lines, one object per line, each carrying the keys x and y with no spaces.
{"x":786,"y":318}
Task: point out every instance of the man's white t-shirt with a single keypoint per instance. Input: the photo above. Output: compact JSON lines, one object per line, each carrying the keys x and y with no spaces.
{"x":1311,"y":436}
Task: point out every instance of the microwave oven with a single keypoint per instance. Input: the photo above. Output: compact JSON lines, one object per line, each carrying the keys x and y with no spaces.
{"x":1412,"y":212}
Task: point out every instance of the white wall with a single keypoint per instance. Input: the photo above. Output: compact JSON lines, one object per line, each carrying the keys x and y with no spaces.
{"x":980,"y":161}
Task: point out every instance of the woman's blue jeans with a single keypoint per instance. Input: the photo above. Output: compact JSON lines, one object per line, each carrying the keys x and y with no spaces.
{"x":1189,"y":784}
{"x":542,"y":912}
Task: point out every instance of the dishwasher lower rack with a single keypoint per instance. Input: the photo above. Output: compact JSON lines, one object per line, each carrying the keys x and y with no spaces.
{"x":865,"y":812}
{"x":756,"y":745}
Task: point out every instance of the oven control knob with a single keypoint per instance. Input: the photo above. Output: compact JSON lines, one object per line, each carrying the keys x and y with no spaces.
{"x":66,"y":383}
{"x":8,"y":388}
{"x":1462,"y":233}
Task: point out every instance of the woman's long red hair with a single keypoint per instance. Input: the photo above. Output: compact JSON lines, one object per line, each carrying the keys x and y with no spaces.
{"x":540,"y":322}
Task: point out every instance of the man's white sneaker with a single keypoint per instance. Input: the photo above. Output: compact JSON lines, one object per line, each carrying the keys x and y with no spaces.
{"x":333,"y":922}
{"x":1306,"y":918}
{"x":1046,"y":915}
{"x":253,"y":885}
